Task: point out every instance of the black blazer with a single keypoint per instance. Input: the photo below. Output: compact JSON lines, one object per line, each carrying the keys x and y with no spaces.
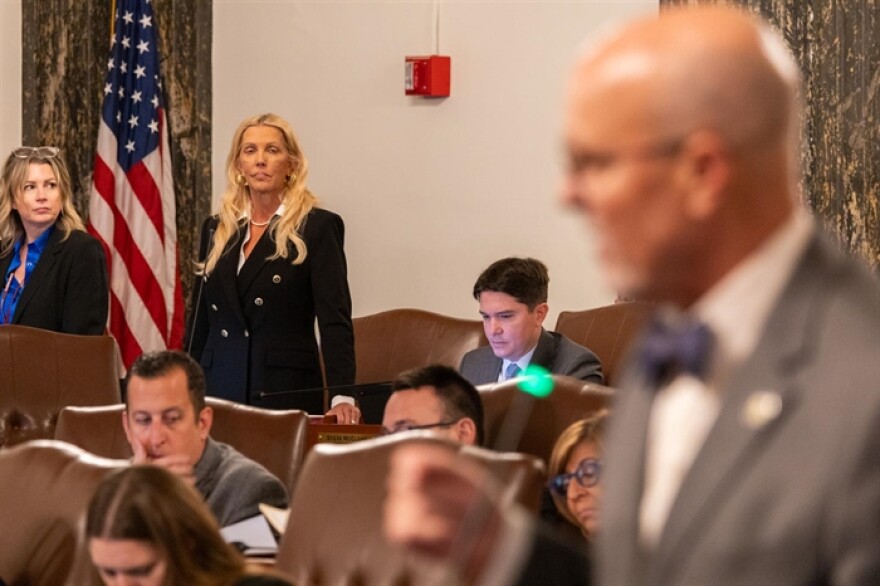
{"x":556,"y":560}
{"x":254,"y":331}
{"x":68,"y":289}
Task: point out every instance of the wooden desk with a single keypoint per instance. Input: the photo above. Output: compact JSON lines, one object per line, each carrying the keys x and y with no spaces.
{"x":321,"y":430}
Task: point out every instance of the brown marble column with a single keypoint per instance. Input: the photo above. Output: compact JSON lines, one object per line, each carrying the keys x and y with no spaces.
{"x":64,"y":53}
{"x":838,"y":47}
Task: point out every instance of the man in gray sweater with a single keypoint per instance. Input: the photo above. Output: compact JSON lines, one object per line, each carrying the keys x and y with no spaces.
{"x":168,"y":424}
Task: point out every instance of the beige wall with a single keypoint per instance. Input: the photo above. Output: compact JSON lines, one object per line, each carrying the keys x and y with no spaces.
{"x":431,"y":191}
{"x":10,"y":75}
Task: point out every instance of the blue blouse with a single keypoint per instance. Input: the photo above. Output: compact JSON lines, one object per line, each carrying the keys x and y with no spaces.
{"x":12,"y":290}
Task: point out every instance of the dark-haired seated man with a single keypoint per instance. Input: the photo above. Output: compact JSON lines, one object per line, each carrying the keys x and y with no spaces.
{"x":168,"y":424}
{"x":435,"y":397}
{"x":512,"y":294}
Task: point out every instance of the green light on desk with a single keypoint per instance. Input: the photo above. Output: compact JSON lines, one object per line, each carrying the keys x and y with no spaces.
{"x":536,"y":381}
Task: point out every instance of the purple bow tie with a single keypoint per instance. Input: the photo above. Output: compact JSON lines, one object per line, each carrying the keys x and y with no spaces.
{"x":672,"y":349}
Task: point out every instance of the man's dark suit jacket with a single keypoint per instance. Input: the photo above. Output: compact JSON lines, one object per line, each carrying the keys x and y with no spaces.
{"x":68,"y":290}
{"x":554,"y":352}
{"x":253,"y":331}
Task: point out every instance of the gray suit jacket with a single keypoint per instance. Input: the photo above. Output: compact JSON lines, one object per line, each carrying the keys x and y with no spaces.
{"x":793,"y":501}
{"x":554,"y":352}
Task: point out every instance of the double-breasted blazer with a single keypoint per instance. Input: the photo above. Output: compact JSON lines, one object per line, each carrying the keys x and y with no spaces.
{"x":68,"y":290}
{"x":785,"y":490}
{"x":253,"y":331}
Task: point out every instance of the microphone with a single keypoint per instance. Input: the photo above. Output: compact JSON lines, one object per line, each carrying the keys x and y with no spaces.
{"x":358,"y":389}
{"x":5,"y":298}
{"x":195,"y":320}
{"x":371,"y":399}
{"x":201,"y":286}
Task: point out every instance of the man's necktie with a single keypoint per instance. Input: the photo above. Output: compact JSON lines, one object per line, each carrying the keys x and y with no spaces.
{"x":671,"y":349}
{"x":512,"y":371}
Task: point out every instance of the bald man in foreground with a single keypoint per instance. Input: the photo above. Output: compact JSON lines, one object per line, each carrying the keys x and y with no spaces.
{"x":745,"y":447}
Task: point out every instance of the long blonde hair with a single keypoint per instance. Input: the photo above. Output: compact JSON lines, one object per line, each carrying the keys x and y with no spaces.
{"x":297,"y":199}
{"x":15,"y":172}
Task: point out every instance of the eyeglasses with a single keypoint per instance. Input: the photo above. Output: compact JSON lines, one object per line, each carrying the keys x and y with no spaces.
{"x":587,"y":474}
{"x":406,"y":427}
{"x":595,"y":162}
{"x":48,"y":152}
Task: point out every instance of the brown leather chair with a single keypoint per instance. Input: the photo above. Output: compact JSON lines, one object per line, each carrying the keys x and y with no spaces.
{"x":45,"y":488}
{"x":275,"y":439}
{"x":608,"y":331}
{"x":532,"y":425}
{"x":334,"y":533}
{"x":43,"y":371}
{"x":390,"y":342}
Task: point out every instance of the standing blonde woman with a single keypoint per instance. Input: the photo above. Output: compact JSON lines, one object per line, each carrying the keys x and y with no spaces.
{"x":273,"y":263}
{"x":54,"y":273}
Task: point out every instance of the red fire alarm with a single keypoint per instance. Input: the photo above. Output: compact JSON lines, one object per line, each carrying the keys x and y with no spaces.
{"x":427,"y":76}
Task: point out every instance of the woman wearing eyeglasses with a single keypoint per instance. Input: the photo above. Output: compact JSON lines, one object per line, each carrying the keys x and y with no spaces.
{"x":54,"y":273}
{"x":575,"y":473}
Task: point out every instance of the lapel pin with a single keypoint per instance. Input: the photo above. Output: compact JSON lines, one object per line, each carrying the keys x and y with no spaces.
{"x":761,"y":408}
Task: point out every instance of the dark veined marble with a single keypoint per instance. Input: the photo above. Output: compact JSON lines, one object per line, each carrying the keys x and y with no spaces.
{"x":838,"y":47}
{"x":65,"y":45}
{"x":64,"y":52}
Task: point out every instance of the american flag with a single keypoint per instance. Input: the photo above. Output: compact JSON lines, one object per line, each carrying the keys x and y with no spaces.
{"x":131,"y":209}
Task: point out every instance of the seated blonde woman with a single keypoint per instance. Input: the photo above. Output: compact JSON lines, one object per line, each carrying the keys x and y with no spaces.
{"x":146,"y":527}
{"x":575,"y":473}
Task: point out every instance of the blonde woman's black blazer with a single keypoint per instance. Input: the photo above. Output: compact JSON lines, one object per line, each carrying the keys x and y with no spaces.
{"x":253,"y":331}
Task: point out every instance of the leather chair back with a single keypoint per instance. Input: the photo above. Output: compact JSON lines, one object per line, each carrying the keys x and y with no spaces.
{"x":532,"y":425}
{"x":45,"y":488}
{"x":275,"y":439}
{"x":608,"y":331}
{"x":334,"y":533}
{"x":390,"y":342}
{"x":43,"y":371}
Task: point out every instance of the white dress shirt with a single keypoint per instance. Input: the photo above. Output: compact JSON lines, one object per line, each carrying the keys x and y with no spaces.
{"x":522,"y":363}
{"x":735,"y":310}
{"x":247,"y":234}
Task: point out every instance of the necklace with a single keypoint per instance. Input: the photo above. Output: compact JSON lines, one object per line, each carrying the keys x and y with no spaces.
{"x":260,"y":224}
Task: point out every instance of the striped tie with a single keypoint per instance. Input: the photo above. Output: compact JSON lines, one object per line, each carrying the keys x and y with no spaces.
{"x":512,"y":371}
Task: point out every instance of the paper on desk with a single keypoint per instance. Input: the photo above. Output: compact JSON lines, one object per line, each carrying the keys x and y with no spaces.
{"x":254,"y":533}
{"x":277,"y":517}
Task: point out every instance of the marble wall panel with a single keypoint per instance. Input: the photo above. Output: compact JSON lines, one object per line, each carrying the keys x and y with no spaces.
{"x":65,"y":49}
{"x":837,"y":44}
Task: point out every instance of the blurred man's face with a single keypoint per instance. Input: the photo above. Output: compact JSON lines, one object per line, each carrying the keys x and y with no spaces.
{"x":511,"y":327}
{"x":160,"y":417}
{"x":622,"y":175}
